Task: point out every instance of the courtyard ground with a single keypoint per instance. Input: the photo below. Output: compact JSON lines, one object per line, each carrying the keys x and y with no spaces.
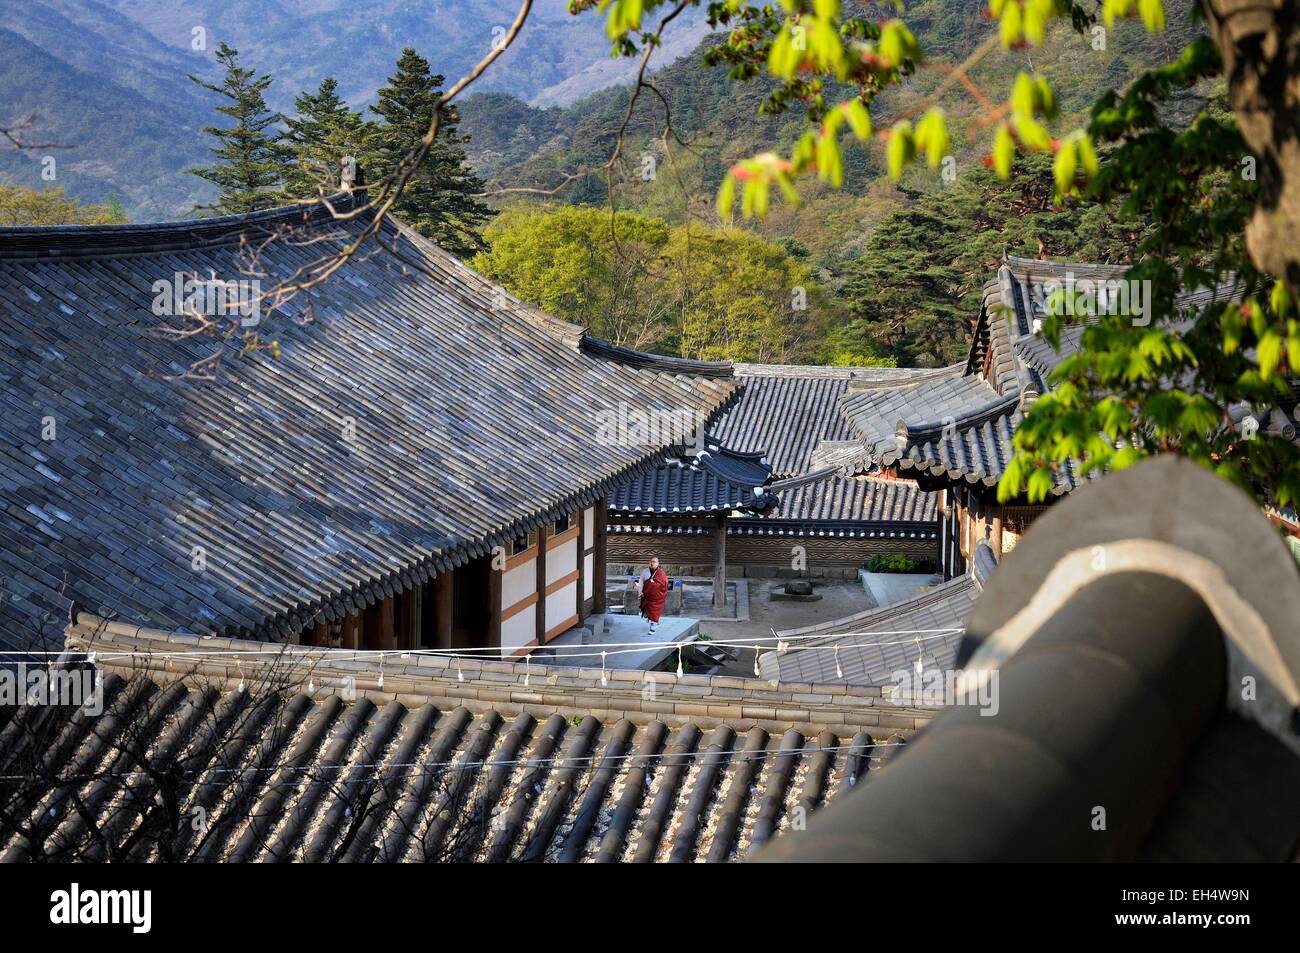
{"x":839,"y":597}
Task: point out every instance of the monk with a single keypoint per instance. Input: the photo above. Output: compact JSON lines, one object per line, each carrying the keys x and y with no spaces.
{"x":654,"y":590}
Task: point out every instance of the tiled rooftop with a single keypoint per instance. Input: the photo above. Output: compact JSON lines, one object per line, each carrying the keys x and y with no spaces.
{"x":416,"y":416}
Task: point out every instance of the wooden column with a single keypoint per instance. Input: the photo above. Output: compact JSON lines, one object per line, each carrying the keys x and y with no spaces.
{"x":351,"y":631}
{"x":582,"y":564}
{"x":442,"y":592}
{"x":379,"y":625}
{"x":943,"y":535}
{"x":494,"y":606}
{"x":996,"y":541}
{"x":539,"y":617}
{"x":407,"y":619}
{"x":720,"y":563}
{"x":599,"y":526}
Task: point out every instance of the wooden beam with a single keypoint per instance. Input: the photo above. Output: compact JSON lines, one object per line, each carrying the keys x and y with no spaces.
{"x":720,"y":563}
{"x":945,"y":544}
{"x":540,"y":582}
{"x":417,"y":614}
{"x":599,"y":526}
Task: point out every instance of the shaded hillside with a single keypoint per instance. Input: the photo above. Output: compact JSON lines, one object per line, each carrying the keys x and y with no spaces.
{"x":115,"y":137}
{"x":558,"y":57}
{"x":108,"y":77}
{"x":518,"y":146}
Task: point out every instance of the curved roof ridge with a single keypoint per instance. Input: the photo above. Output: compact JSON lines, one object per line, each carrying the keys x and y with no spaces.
{"x":1056,"y":264}
{"x":915,"y":377}
{"x":74,"y":241}
{"x":823,"y":371}
{"x":598,"y":347}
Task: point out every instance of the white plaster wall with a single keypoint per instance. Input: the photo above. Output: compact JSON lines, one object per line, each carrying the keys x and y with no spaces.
{"x":518,"y":583}
{"x":520,"y":628}
{"x":561,"y":605}
{"x":561,"y":561}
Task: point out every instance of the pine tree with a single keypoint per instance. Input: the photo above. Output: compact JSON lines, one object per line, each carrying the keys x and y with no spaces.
{"x":322,"y":136}
{"x":439,"y":199}
{"x":250,"y":156}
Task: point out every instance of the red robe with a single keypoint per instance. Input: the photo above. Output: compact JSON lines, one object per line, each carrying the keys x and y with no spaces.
{"x":653,"y":593}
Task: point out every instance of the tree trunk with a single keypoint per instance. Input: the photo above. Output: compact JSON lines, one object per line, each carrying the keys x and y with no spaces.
{"x":1260,"y":44}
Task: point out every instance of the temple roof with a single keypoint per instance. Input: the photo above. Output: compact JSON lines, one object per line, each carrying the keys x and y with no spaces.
{"x":1141,"y":711}
{"x":790,"y":414}
{"x":416,"y":416}
{"x":314,"y":754}
{"x":714,"y":479}
{"x":300,"y":753}
{"x":957,"y":424}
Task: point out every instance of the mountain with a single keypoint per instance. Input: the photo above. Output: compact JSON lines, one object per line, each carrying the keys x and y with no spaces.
{"x":557,"y":58}
{"x":107,"y":78}
{"x":110,"y":128}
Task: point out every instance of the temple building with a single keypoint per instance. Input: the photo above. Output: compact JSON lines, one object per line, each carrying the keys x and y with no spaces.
{"x":952,"y":432}
{"x":403,"y":455}
{"x":309,"y":755}
{"x":815,"y":514}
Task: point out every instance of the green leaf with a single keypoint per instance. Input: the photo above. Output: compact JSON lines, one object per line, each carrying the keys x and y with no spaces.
{"x":859,"y":119}
{"x":900,"y":150}
{"x":1046,"y":97}
{"x":830,"y":168}
{"x":1153,"y":14}
{"x":1064,"y":166}
{"x":1011,"y":29}
{"x":1004,"y":152}
{"x":1269,"y":353}
{"x":782,"y":58}
{"x":1022,"y":95}
{"x":726,"y":196}
{"x":1280,"y":300}
{"x":932,"y":136}
{"x":763,"y":192}
{"x":1040,"y":484}
{"x":1033,"y":135}
{"x":1087,"y":155}
{"x":1035,"y":23}
{"x":1113,"y":10}
{"x":624,"y":16}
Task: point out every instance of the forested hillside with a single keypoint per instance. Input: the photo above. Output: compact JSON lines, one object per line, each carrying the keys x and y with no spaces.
{"x":902,"y":261}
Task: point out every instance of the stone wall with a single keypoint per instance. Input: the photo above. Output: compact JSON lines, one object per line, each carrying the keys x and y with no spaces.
{"x":418,"y":677}
{"x":769,"y":551}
